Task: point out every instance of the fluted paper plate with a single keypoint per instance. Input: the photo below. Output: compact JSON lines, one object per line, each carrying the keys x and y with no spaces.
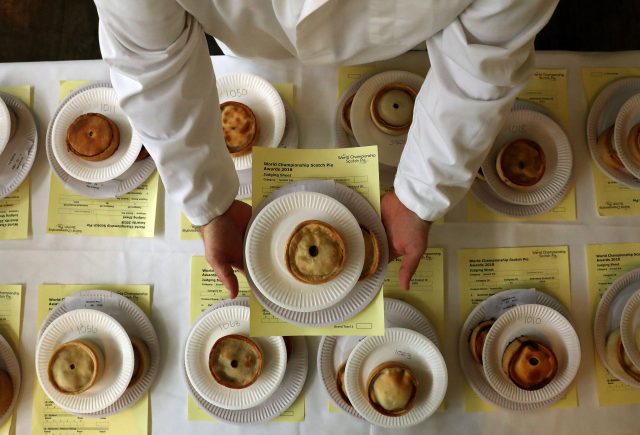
{"x":628,"y":117}
{"x":5,"y":125}
{"x":630,"y":327}
{"x":9,"y":363}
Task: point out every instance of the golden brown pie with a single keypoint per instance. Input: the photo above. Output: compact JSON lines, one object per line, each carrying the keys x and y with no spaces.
{"x":607,"y":152}
{"x":6,"y":391}
{"x":143,"y":154}
{"x":141,"y":360}
{"x":93,"y":137}
{"x":477,"y":338}
{"x":521,"y":163}
{"x":634,"y":143}
{"x":529,"y":363}
{"x":235,"y":361}
{"x":371,"y":253}
{"x":239,"y":126}
{"x":316,"y":253}
{"x":617,"y":356}
{"x":342,"y":390}
{"x":75,"y":366}
{"x":345,"y":115}
{"x":13,"y":119}
{"x":391,"y":108}
{"x":392,"y":389}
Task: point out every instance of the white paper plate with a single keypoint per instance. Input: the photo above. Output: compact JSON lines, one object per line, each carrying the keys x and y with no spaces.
{"x":132,"y":319}
{"x":9,"y":363}
{"x":545,"y":324}
{"x":364,"y":291}
{"x":219,"y":323}
{"x":335,"y":350}
{"x":19,"y":154}
{"x":629,"y":325}
{"x":608,"y":317}
{"x":105,"y":332}
{"x":5,"y":125}
{"x":344,"y":139}
{"x":366,"y":133}
{"x":491,"y":308}
{"x":603,"y":115}
{"x":94,"y":100}
{"x":526,"y":124}
{"x":266,"y":247}
{"x":410,"y":348}
{"x":263,"y":100}
{"x":628,"y":117}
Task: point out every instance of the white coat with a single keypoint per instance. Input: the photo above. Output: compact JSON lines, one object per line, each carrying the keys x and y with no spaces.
{"x":480,"y":53}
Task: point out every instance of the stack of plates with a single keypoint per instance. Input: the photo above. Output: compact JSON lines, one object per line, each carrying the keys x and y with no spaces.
{"x":276,"y":120}
{"x":409,"y":339}
{"x":108,"y":321}
{"x":617,"y":106}
{"x":517,"y":313}
{"x":276,"y":288}
{"x":10,"y":365}
{"x":18,"y":143}
{"x":364,"y":132}
{"x":532,"y":122}
{"x":618,"y":319}
{"x":284,"y":368}
{"x":112,"y":177}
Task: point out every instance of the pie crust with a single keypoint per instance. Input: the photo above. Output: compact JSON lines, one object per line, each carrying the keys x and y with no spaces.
{"x":75,"y":366}
{"x":529,"y":363}
{"x":93,"y":137}
{"x":391,"y":108}
{"x":239,"y":126}
{"x":521,"y":163}
{"x":235,"y":361}
{"x":371,"y":254}
{"x":392,"y":389}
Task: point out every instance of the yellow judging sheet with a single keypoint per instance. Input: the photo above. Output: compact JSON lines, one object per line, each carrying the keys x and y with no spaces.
{"x":188,"y":231}
{"x":605,"y":264}
{"x":132,"y":214}
{"x":11,"y":297}
{"x":485,"y":272}
{"x":356,"y":168}
{"x":207,"y":290}
{"x":14,"y":208}
{"x":612,"y":198}
{"x":46,"y":416}
{"x":547,"y":88}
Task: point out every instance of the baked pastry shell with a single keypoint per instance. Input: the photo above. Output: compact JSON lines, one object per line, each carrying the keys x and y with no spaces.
{"x":380,"y":123}
{"x":504,"y":171}
{"x":217,"y":346}
{"x":249,"y":145}
{"x":374,"y":261}
{"x":373,"y":376}
{"x":90,"y":349}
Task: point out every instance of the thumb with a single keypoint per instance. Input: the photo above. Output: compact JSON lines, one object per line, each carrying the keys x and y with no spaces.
{"x":227,"y":277}
{"x":408,"y":268}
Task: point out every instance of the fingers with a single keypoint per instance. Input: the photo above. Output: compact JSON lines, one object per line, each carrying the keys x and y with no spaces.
{"x":227,"y":277}
{"x":408,"y":267}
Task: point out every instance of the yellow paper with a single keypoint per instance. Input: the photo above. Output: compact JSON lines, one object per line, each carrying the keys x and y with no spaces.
{"x":605,"y":264}
{"x":188,"y":231}
{"x":14,"y":208}
{"x":47,"y":417}
{"x":547,"y":88}
{"x":612,"y":198}
{"x":207,"y":290}
{"x":485,"y":272}
{"x":356,"y":168}
{"x":130,"y":215}
{"x":11,"y":297}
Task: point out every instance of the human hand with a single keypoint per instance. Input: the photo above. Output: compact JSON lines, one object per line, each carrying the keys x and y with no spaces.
{"x":223,"y":239}
{"x":408,"y":235}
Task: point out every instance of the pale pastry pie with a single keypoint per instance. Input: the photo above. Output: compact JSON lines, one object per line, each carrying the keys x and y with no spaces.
{"x":521,"y":163}
{"x":342,"y":390}
{"x":391,"y":108}
{"x":606,"y":151}
{"x":239,"y":126}
{"x":75,"y":366}
{"x":141,"y":360}
{"x":93,"y":137}
{"x":235,"y":361}
{"x":14,"y":123}
{"x":315,"y":253}
{"x":6,"y":391}
{"x":371,"y":253}
{"x":634,"y":143}
{"x":477,"y":338}
{"x":529,"y":363}
{"x":392,"y":388}
{"x":617,"y":356}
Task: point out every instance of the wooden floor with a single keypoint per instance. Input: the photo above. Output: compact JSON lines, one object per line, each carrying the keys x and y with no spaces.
{"x":35,"y":30}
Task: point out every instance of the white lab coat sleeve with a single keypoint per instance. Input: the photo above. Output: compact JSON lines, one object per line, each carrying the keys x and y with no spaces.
{"x":479,"y":63}
{"x":162,"y":73}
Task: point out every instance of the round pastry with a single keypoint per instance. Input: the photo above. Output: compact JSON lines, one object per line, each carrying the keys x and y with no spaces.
{"x":14,"y":122}
{"x":477,"y":338}
{"x":316,"y":252}
{"x":235,"y":361}
{"x":345,"y":116}
{"x":6,"y":392}
{"x":529,"y":363}
{"x":391,"y":108}
{"x":141,"y":360}
{"x":75,"y":366}
{"x":521,"y":163}
{"x":617,"y":356}
{"x":607,"y":152}
{"x":371,"y":254}
{"x":342,"y":390}
{"x":392,"y":389}
{"x":239,"y":126}
{"x":143,"y":154}
{"x":633,"y":142}
{"x":93,"y":137}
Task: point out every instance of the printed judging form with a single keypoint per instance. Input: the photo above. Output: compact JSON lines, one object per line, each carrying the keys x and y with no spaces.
{"x":11,"y":297}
